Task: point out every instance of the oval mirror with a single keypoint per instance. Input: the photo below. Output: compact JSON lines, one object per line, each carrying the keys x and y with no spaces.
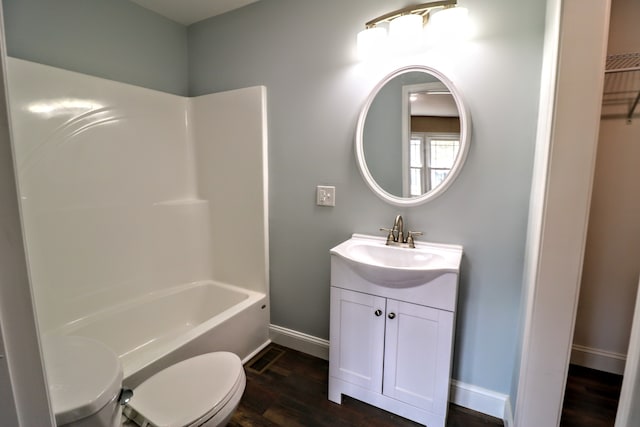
{"x":412,"y":136}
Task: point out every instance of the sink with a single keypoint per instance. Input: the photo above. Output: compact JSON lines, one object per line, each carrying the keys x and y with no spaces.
{"x":393,"y":266}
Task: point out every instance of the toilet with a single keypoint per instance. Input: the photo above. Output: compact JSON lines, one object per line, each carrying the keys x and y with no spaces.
{"x":85,"y":388}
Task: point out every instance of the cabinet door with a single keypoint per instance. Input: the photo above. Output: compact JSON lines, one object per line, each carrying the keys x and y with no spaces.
{"x":417,"y":359}
{"x":357,"y":338}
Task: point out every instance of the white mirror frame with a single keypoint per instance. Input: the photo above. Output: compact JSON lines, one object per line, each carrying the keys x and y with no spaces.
{"x":465,"y":137}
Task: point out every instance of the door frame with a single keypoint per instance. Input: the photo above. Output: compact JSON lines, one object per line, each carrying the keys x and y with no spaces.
{"x":628,"y":413}
{"x":569,"y":119}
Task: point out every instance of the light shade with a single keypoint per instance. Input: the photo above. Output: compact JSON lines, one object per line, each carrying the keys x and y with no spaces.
{"x":371,"y":40}
{"x":406,"y":30}
{"x":449,"y":24}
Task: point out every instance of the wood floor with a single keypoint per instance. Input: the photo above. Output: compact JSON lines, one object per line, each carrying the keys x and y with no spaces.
{"x":289,"y":388}
{"x":591,"y":398}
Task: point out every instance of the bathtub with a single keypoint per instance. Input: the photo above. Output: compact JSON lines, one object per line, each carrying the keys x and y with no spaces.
{"x":165,"y":327}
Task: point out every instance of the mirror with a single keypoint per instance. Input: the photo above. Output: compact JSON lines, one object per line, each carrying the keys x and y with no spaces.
{"x":412,"y":136}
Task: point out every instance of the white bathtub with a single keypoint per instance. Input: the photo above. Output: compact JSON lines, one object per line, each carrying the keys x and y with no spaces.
{"x":162,"y":328}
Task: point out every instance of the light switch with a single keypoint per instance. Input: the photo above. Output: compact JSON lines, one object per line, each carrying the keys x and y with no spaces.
{"x":325,"y":195}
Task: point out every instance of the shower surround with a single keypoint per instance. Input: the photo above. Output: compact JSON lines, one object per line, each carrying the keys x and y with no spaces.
{"x":129,"y":193}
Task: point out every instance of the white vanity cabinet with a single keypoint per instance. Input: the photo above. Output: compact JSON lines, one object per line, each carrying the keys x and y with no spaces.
{"x":417,"y":355}
{"x":391,"y":347}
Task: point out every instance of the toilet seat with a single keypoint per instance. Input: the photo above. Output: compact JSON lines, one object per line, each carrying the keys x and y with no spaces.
{"x":188,"y":393}
{"x":83,"y":375}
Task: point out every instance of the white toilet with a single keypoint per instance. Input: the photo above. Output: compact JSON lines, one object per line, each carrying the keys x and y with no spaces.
{"x":85,"y":387}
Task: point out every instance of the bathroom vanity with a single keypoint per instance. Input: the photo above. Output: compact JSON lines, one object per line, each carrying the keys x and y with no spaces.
{"x":393,"y":299}
{"x":392,"y":322}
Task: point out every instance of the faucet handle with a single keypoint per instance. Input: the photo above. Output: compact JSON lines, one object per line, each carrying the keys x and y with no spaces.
{"x":389,"y":234}
{"x":410,"y":240}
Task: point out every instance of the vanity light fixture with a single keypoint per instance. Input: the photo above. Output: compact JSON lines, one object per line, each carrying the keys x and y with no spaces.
{"x":406,"y":26}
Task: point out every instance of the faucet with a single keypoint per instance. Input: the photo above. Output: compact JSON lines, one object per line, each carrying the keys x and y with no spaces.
{"x":397,"y":230}
{"x":396,"y":236}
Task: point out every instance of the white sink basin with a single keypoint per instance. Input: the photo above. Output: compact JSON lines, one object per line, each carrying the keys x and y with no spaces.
{"x":394,"y":266}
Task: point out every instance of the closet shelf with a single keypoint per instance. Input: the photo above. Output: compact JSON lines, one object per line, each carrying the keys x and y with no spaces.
{"x":621,"y":85}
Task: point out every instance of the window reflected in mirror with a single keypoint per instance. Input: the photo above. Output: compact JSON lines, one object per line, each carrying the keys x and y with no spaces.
{"x":431,"y":157}
{"x":434,"y":136}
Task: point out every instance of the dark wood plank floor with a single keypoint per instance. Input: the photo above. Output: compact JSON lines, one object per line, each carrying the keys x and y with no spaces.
{"x":591,"y":398}
{"x":292,"y":391}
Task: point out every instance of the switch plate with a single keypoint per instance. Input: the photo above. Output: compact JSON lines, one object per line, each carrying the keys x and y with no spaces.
{"x":325,"y":195}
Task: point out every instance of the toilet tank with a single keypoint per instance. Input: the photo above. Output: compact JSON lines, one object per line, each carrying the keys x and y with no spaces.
{"x":84,"y":378}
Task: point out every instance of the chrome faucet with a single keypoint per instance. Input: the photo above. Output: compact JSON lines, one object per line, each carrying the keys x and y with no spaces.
{"x":396,"y":236}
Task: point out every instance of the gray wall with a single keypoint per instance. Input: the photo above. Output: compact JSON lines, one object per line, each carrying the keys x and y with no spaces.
{"x":114,"y":39}
{"x":303,"y":51}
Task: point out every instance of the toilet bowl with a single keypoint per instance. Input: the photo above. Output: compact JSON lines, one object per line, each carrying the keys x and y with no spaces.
{"x":85,"y":388}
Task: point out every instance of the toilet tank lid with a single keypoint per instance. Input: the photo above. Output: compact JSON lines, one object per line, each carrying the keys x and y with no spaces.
{"x":83,"y":376}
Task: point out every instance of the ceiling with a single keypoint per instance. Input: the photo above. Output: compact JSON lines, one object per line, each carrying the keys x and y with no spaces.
{"x":187,"y":12}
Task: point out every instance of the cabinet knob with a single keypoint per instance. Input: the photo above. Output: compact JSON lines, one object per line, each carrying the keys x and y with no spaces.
{"x":392,"y":316}
{"x":378,"y":312}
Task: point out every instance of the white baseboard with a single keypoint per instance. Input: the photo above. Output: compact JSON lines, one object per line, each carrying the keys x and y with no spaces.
{"x":466,"y":395}
{"x":299,"y":341}
{"x":601,"y":360}
{"x":481,"y":400}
